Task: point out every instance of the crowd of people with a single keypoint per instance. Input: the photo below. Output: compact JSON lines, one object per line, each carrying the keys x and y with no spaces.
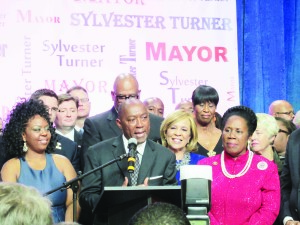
{"x":49,"y":139}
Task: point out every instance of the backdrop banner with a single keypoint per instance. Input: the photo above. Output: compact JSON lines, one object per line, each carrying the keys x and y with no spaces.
{"x":172,"y":46}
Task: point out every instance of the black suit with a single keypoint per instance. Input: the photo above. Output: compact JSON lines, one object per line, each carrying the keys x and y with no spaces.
{"x":290,"y":178}
{"x":103,"y":126}
{"x":156,"y":161}
{"x":78,"y":138}
{"x":68,"y":148}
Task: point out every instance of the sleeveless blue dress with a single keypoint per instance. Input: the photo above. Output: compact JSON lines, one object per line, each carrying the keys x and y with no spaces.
{"x":45,"y":180}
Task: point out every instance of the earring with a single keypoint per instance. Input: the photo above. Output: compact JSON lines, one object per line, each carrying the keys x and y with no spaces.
{"x":25,"y":148}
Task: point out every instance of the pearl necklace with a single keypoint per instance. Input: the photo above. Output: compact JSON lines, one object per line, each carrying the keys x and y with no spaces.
{"x":243,"y":171}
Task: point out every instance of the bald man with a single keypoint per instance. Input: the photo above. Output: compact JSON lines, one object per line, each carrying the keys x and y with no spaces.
{"x":283,"y":109}
{"x":103,"y":126}
{"x":155,"y":106}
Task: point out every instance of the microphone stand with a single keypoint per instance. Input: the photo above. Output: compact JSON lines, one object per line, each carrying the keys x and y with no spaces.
{"x":73,"y":184}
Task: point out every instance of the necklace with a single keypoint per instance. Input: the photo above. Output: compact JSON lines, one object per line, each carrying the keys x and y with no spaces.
{"x":243,"y":171}
{"x":211,"y":153}
{"x":185,"y":161}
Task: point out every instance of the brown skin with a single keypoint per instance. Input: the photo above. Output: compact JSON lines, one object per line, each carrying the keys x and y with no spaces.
{"x":235,"y":136}
{"x":155,"y":106}
{"x":282,"y":108}
{"x":208,"y":134}
{"x":37,"y":137}
{"x":126,"y":85}
{"x":134,"y":121}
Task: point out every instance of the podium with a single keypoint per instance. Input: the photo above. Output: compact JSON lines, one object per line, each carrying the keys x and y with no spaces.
{"x":119,"y":204}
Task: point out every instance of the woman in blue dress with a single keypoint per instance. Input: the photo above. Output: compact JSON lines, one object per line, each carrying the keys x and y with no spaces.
{"x":178,"y":132}
{"x":29,"y":140}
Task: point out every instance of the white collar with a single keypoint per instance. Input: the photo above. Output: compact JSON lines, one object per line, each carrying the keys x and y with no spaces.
{"x":140,"y":147}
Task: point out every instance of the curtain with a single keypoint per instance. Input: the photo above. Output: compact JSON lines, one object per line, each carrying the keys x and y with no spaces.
{"x":268,"y":51}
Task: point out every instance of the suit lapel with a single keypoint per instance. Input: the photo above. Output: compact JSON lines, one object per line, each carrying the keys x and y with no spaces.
{"x":147,"y":162}
{"x":118,"y":149}
{"x":112,"y":116}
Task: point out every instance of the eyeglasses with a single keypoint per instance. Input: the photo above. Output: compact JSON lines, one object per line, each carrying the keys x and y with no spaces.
{"x":53,"y":109}
{"x":83,"y":100}
{"x":283,"y":131}
{"x":290,"y":113}
{"x":125,"y":97}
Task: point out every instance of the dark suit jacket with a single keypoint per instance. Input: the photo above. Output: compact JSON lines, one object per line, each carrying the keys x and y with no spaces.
{"x":78,"y":138}
{"x":157,"y":160}
{"x":103,"y":126}
{"x":290,"y":177}
{"x":68,"y":148}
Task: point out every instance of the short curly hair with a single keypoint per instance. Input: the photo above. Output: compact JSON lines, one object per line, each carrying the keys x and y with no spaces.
{"x":243,"y":112}
{"x":16,"y":124}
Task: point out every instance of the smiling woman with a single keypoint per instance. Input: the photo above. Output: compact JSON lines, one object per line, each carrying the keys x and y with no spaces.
{"x":29,"y":140}
{"x":179,"y":133}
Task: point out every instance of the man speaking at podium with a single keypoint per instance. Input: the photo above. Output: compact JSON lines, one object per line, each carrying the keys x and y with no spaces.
{"x":155,"y":164}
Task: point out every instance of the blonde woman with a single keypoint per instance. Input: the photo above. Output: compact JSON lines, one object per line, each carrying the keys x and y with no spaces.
{"x":178,"y":132}
{"x":263,"y":138}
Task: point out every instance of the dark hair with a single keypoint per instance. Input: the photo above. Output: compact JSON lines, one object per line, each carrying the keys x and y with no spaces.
{"x":17,"y":121}
{"x":289,"y":125}
{"x":203,"y":94}
{"x":43,"y":92}
{"x":243,"y":112}
{"x":218,"y":121}
{"x":159,"y":213}
{"x":76,"y":87}
{"x":67,"y":97}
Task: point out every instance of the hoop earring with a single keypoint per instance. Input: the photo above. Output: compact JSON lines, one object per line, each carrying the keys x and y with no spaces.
{"x":25,"y":148}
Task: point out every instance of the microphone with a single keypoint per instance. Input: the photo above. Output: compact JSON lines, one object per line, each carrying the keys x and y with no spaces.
{"x":132,"y":143}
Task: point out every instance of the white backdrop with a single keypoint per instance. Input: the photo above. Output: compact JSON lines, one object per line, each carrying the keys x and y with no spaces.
{"x":172,"y":46}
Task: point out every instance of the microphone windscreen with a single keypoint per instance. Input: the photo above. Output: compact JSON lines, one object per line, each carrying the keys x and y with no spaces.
{"x":132,"y":141}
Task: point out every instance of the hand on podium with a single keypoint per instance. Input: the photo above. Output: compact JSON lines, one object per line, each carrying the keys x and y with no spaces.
{"x":125,"y":183}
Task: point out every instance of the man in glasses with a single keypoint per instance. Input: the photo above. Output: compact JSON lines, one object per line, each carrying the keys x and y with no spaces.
{"x":103,"y":126}
{"x":286,"y":127}
{"x":283,"y":109}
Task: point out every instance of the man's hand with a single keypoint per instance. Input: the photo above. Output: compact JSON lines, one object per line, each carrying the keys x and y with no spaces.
{"x":145,"y":182}
{"x":125,"y":183}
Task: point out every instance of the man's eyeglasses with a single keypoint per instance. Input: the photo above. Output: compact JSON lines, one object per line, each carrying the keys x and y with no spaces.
{"x":82,"y":100}
{"x":283,"y":131}
{"x":53,"y":109}
{"x":125,"y":97}
{"x":290,"y":113}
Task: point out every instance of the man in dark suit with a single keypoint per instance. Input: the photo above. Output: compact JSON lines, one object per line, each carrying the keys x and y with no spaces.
{"x":64,"y":145}
{"x":290,"y":181}
{"x":157,"y":163}
{"x":103,"y":126}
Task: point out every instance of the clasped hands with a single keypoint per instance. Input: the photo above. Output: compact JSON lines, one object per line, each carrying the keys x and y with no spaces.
{"x":145,"y":184}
